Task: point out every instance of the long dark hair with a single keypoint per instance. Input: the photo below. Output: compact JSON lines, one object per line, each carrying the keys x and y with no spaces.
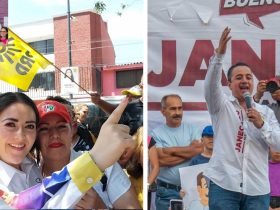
{"x":6,"y":28}
{"x":66,"y":76}
{"x":9,"y":98}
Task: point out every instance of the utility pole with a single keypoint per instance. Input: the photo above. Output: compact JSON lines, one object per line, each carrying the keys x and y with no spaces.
{"x":69,"y":39}
{"x":69,"y":34}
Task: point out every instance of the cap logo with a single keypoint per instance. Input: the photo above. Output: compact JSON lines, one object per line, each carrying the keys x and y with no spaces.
{"x":48,"y":108}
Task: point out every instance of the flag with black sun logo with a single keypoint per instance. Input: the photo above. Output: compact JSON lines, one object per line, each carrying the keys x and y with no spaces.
{"x":19,"y":62}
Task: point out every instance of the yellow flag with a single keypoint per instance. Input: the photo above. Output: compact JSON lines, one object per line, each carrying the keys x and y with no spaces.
{"x":19,"y":62}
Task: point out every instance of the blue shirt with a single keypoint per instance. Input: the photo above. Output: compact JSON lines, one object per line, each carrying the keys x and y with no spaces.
{"x":199,"y":159}
{"x":174,"y":137}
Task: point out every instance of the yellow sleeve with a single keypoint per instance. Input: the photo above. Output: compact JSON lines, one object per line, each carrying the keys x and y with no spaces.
{"x":84,"y":172}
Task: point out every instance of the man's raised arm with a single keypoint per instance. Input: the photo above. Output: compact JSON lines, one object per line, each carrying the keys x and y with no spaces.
{"x":213,"y":86}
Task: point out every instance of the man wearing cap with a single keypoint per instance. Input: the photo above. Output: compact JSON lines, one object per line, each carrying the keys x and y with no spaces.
{"x":244,"y":130}
{"x":176,"y":144}
{"x":207,"y":141}
{"x":274,"y":90}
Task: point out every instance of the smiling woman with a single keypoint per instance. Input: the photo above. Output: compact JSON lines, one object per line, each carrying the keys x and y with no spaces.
{"x":54,"y":134}
{"x":18,"y":121}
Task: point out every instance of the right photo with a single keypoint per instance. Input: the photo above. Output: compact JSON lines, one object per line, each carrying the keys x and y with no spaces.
{"x":213,"y":72}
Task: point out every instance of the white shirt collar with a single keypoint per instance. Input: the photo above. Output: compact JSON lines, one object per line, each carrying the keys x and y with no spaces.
{"x":8,"y":172}
{"x":233,"y":99}
{"x":16,"y":180}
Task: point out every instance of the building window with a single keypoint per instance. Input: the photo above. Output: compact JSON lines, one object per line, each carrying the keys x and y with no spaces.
{"x":126,"y":79}
{"x":44,"y":46}
{"x":43,"y":81}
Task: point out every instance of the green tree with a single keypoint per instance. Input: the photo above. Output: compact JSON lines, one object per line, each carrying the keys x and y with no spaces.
{"x":99,"y":7}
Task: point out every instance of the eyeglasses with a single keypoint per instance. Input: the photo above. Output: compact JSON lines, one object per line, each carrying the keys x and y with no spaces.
{"x":4,"y":31}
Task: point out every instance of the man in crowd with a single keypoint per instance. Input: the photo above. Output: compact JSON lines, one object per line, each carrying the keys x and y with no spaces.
{"x":176,"y":144}
{"x":273,"y":87}
{"x":81,"y":111}
{"x":207,"y":141}
{"x":244,"y":130}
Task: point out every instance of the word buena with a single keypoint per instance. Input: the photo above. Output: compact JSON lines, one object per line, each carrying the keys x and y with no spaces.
{"x":244,"y":3}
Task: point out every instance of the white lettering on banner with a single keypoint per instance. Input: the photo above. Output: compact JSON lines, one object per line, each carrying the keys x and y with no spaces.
{"x":243,"y":3}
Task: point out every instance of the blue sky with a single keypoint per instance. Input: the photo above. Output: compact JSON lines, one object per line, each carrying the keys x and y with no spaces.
{"x":126,"y":31}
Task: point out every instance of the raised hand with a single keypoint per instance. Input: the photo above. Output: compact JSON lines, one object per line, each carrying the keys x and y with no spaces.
{"x":113,"y":139}
{"x":95,"y":97}
{"x":223,"y":41}
{"x":261,"y":88}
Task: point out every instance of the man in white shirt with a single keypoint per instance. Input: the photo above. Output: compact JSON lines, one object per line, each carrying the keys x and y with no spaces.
{"x":238,"y":168}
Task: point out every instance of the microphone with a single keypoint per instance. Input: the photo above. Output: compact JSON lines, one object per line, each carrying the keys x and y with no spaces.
{"x":247,"y":98}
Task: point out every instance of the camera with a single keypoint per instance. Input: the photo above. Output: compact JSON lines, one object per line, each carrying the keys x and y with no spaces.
{"x":272,"y":86}
{"x":176,"y":204}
